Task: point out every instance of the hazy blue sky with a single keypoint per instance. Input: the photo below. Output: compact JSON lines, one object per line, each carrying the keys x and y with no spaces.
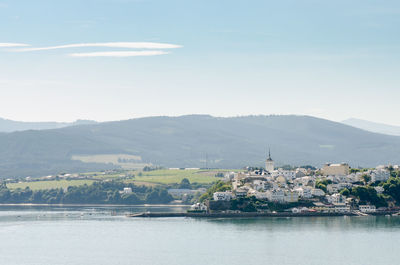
{"x":332,"y":59}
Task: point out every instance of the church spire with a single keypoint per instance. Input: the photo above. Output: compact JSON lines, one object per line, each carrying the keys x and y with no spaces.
{"x":269,"y":155}
{"x":269,"y":163}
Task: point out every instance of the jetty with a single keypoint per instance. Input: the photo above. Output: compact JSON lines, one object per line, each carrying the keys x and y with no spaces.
{"x":236,"y":215}
{"x":255,"y":214}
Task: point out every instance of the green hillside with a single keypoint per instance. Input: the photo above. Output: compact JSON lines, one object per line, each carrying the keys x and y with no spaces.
{"x":186,"y":141}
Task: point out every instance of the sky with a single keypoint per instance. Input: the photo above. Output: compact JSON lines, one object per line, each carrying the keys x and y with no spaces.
{"x":120,"y":59}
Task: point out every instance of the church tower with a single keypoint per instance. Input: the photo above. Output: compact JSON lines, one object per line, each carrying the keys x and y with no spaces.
{"x":269,"y":163}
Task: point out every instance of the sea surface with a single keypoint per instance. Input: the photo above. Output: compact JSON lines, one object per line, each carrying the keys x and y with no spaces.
{"x":104,"y":236}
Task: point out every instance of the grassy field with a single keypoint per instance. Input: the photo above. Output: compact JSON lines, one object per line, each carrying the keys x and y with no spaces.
{"x":169,"y":176}
{"x":147,"y":178}
{"x":52,"y":184}
{"x":123,"y":160}
{"x":101,"y":176}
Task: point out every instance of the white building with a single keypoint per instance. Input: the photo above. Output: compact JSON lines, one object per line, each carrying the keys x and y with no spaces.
{"x":300,"y":210}
{"x":354,"y":177}
{"x":291,"y":196}
{"x":304,"y":192}
{"x":304,"y":181}
{"x":229,"y":176}
{"x":198,"y":207}
{"x":367,"y":208}
{"x":127,"y":190}
{"x":241,"y":193}
{"x":261,"y":195}
{"x":301,"y":172}
{"x":287,"y":174}
{"x":336,"y":198}
{"x":276,"y":195}
{"x":269,"y":163}
{"x":333,"y":188}
{"x":341,"y":208}
{"x":379,"y":175}
{"x":223,"y":196}
{"x":259,"y":184}
{"x":317,"y":192}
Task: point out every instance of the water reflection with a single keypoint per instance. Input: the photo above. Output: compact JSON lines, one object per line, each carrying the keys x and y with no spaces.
{"x":30,"y":213}
{"x":110,"y":213}
{"x":320,"y":223}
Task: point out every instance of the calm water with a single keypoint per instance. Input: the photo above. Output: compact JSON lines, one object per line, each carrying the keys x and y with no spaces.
{"x":87,"y":236}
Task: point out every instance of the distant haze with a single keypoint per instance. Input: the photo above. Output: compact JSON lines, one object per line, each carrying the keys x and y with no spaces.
{"x":373,"y":126}
{"x":12,"y":126}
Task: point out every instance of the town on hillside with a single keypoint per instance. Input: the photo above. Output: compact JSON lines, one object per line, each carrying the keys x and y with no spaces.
{"x":334,"y":188}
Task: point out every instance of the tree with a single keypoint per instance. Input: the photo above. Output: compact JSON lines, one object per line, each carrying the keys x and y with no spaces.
{"x":130,"y":198}
{"x":218,"y":186}
{"x":345,"y":192}
{"x":392,"y":188}
{"x":366,"y":178}
{"x":368,"y":194}
{"x":185,"y":184}
{"x":309,"y":167}
{"x":321,"y":186}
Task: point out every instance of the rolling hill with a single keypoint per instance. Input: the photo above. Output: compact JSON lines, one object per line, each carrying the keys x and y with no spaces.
{"x":13,"y":126}
{"x":373,"y":126}
{"x":186,"y":141}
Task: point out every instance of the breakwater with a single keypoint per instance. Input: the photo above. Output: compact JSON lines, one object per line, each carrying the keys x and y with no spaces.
{"x":237,"y":215}
{"x":250,"y":214}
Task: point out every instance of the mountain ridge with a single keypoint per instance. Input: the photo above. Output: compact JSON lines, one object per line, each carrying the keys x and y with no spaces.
{"x":373,"y":126}
{"x":185,"y":141}
{"x":7,"y":125}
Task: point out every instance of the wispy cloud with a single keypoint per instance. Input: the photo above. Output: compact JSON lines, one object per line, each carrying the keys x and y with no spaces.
{"x":125,"y":49}
{"x":9,"y":44}
{"x":127,"y":45}
{"x":118,"y":54}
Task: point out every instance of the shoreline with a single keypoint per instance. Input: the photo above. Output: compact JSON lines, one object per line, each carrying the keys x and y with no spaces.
{"x":91,"y":205}
{"x":251,"y":215}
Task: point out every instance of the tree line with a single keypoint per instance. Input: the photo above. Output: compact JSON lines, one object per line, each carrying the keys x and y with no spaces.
{"x":96,"y":193}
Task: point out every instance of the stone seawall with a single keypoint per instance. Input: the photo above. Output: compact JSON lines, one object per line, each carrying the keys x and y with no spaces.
{"x":237,"y":215}
{"x":252,"y":214}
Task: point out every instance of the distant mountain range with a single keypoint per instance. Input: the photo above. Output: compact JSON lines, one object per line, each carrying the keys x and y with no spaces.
{"x":187,"y":141}
{"x":373,"y":126}
{"x":13,"y":126}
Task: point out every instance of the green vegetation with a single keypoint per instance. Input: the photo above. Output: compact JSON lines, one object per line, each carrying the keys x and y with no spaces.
{"x":170,"y":176}
{"x":171,"y":141}
{"x":309,"y":167}
{"x":148,"y":187}
{"x":218,"y":186}
{"x":366,"y":178}
{"x":252,"y":204}
{"x":48,"y":184}
{"x":345,"y":192}
{"x":96,"y":193}
{"x":369,"y":194}
{"x":392,"y":188}
{"x":321,"y":184}
{"x":125,"y":161}
{"x":185,"y":184}
{"x":355,"y":170}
